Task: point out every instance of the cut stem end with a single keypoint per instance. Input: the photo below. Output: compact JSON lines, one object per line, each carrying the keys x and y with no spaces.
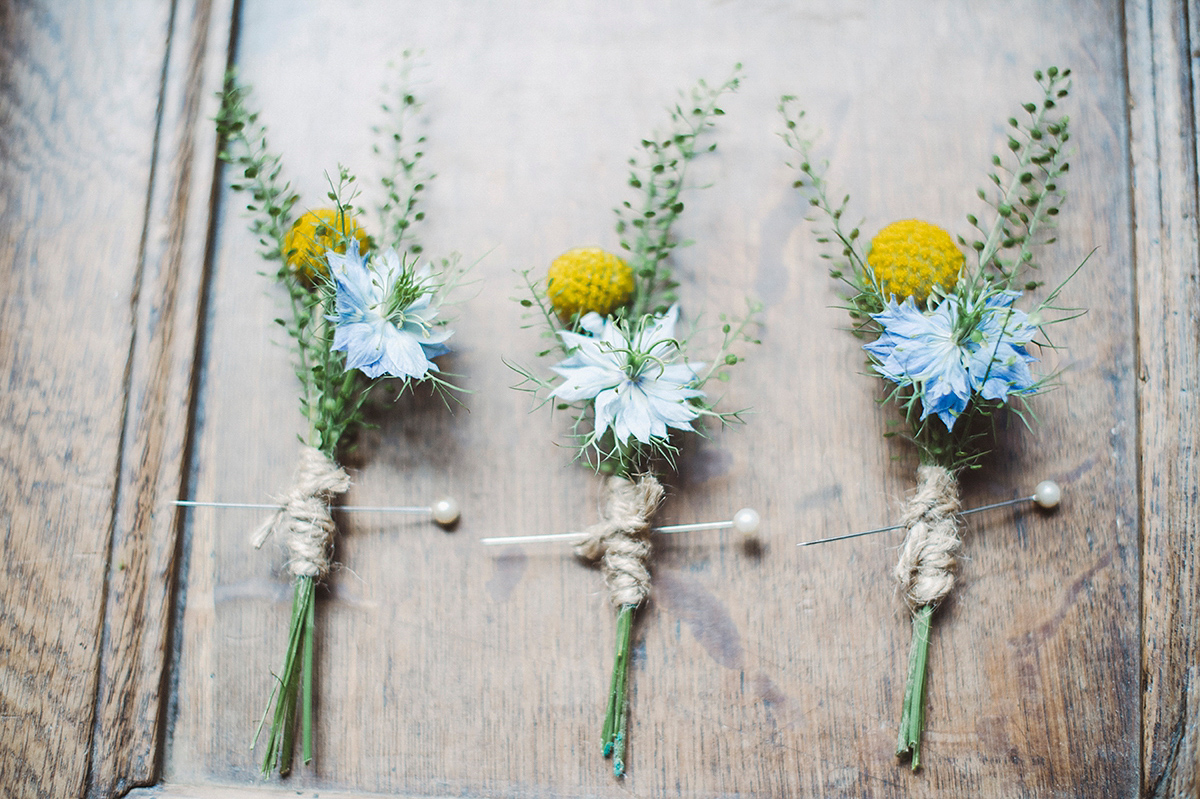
{"x":616,"y":716}
{"x":912,"y":716}
{"x":294,"y":686}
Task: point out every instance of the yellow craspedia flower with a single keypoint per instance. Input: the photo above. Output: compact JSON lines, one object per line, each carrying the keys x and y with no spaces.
{"x":910,"y":257}
{"x":588,"y":279}
{"x":305,"y":244}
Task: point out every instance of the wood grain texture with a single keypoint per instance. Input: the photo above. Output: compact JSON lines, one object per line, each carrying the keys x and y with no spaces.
{"x":445,"y":668}
{"x":78,"y":103}
{"x":131,"y":698}
{"x":231,"y":791}
{"x":1163,"y":125}
{"x":449,"y":669}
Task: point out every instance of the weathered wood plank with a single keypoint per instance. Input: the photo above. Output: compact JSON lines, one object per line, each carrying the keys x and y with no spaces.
{"x":79,"y":90}
{"x":231,"y":791}
{"x":142,"y":568}
{"x":1163,"y":127}
{"x":444,"y":668}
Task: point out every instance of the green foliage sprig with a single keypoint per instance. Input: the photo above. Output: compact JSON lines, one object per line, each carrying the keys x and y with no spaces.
{"x":848,"y":264}
{"x":244,"y":147}
{"x":1026,"y":193}
{"x":406,"y":176}
{"x":658,"y":175}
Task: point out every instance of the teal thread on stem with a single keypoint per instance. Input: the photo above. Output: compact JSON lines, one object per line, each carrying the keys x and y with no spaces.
{"x":613,"y":734}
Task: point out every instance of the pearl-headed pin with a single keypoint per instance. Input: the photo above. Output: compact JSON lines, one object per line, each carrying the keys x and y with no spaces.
{"x":1047,"y":494}
{"x":444,"y":511}
{"x":746,"y":521}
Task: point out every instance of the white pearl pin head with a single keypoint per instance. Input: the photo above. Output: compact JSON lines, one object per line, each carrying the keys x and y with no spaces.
{"x":746,"y":521}
{"x":445,"y":511}
{"x":1047,"y":494}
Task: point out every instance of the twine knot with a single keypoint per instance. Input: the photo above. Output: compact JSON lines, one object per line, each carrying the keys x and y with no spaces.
{"x":621,"y":539}
{"x":303,"y":521}
{"x":926,"y":566}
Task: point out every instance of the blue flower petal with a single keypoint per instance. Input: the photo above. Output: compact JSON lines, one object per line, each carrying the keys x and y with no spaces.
{"x":372,"y":343}
{"x":659,"y":335}
{"x":403,"y":355}
{"x":606,"y":406}
{"x":585,"y":382}
{"x":949,"y":366}
{"x":593,"y":323}
{"x":636,"y":417}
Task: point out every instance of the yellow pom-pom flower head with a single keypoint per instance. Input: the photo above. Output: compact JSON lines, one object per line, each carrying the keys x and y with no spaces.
{"x":588,"y":279}
{"x":910,"y":258}
{"x":305,"y":244}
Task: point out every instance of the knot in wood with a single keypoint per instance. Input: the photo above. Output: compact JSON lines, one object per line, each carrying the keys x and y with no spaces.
{"x":925,"y":570}
{"x":621,"y":539}
{"x":303,"y":521}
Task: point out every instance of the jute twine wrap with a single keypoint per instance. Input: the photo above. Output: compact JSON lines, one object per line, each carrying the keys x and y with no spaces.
{"x":303,"y":522}
{"x":622,"y":537}
{"x":926,"y":566}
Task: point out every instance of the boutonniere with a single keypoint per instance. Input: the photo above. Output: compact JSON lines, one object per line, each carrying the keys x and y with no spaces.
{"x":625,"y":371}
{"x":951,"y":337}
{"x":365,"y":313}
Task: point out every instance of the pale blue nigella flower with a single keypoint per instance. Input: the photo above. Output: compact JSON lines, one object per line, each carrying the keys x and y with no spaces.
{"x":948,"y":358}
{"x":638,"y":391}
{"x":385,"y":320}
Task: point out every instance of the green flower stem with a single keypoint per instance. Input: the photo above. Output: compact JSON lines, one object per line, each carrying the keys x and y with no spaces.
{"x":619,"y":750}
{"x":912,"y":717}
{"x":307,"y":719}
{"x":613,"y":735}
{"x":288,"y":731}
{"x":280,"y":737}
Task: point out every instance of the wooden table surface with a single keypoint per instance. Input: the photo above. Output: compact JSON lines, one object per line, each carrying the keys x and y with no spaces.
{"x":141,"y":365}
